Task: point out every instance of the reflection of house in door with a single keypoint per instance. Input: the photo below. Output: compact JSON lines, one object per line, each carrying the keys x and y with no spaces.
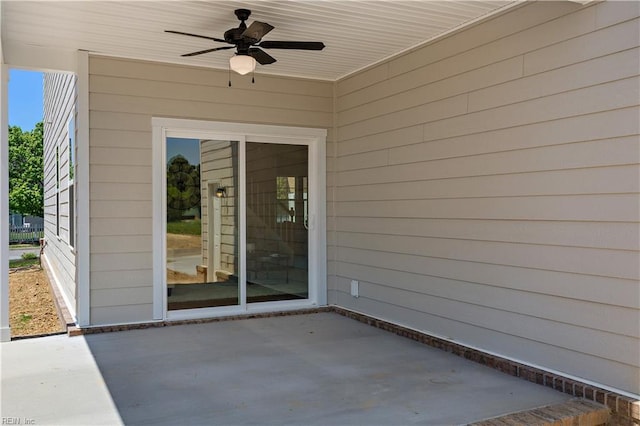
{"x":215,"y":192}
{"x":219,"y":239}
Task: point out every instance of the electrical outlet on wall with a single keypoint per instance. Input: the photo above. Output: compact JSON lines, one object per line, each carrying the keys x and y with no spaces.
{"x":355,"y":290}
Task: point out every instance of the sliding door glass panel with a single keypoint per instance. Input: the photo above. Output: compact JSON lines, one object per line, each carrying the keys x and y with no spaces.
{"x":277,"y":220}
{"x":202,"y":223}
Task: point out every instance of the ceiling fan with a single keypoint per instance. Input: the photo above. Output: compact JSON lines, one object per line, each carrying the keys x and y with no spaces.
{"x":248,"y":44}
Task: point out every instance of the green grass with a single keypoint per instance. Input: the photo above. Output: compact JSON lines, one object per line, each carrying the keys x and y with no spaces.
{"x":23,"y":263}
{"x":185,"y":227}
{"x":23,"y":246}
{"x":29,"y":256}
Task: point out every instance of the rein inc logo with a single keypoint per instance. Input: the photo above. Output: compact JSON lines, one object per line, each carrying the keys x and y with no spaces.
{"x":17,"y":421}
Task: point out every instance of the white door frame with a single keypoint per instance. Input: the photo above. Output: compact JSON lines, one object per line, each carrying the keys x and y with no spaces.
{"x":315,"y":139}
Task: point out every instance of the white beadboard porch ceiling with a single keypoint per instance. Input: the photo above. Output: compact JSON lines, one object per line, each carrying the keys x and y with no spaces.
{"x":357,"y":33}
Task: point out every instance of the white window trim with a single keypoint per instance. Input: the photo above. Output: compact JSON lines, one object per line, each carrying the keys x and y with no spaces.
{"x":316,"y":141}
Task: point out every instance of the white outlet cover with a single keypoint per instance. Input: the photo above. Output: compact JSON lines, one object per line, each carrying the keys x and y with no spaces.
{"x":355,"y":291}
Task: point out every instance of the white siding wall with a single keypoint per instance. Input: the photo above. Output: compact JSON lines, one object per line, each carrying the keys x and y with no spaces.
{"x":486,"y":189}
{"x":59,"y":108}
{"x":124,"y":96}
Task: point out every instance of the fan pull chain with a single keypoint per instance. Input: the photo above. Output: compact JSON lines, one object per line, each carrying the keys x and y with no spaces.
{"x":253,"y":77}
{"x":229,"y":75}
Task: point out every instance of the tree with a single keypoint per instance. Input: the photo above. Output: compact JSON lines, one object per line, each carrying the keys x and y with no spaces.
{"x":183,"y":187}
{"x":26,"y":175}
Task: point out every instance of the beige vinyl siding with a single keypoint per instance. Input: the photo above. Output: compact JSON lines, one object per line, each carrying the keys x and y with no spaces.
{"x":124,"y":96}
{"x":218,"y":168}
{"x":59,"y":107}
{"x":487,"y":187}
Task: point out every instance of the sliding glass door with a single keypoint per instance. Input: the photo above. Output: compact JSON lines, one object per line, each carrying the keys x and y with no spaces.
{"x":202,"y":243}
{"x":277,"y":221}
{"x":237,"y":216}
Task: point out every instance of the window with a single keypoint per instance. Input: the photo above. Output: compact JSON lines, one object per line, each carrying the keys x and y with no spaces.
{"x":286,"y":199}
{"x":291,"y":195}
{"x":71,"y":129}
{"x":57,"y":191}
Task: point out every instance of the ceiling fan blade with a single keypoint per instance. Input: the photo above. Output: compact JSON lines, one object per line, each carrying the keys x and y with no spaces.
{"x":208,"y":50}
{"x":195,"y":35}
{"x":262,"y":57}
{"x":257,"y":30}
{"x":301,"y":45}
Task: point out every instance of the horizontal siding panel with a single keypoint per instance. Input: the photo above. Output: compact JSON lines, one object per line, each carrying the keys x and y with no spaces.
{"x":572,"y":25}
{"x":152,"y":71}
{"x":120,"y":139}
{"x":607,"y":290}
{"x":121,"y":314}
{"x":165,"y":91}
{"x":121,"y":244}
{"x":119,"y":174}
{"x":120,"y":156}
{"x":607,"y":263}
{"x":120,"y":262}
{"x":410,"y":117}
{"x":115,"y":297}
{"x":611,"y":208}
{"x":597,"y":316}
{"x":609,"y":13}
{"x":585,"y":181}
{"x":119,"y":226}
{"x":362,"y":79}
{"x":476,"y":36}
{"x":578,"y":102}
{"x":383,"y":140}
{"x":618,"y":152}
{"x":117,"y":279}
{"x":598,"y":71}
{"x":389,"y":94}
{"x":366,"y":160}
{"x":121,"y":191}
{"x":109,"y":120}
{"x":609,"y":346}
{"x":602,"y":125}
{"x":121,"y":209}
{"x":602,"y":235}
{"x":613,"y":152}
{"x":442,"y":79}
{"x":598,"y":43}
{"x":202,"y":110}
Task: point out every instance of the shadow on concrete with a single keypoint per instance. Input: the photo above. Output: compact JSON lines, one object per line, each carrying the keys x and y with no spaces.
{"x":319,"y":369}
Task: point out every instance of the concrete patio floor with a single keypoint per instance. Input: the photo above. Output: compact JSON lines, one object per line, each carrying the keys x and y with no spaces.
{"x":316,"y":369}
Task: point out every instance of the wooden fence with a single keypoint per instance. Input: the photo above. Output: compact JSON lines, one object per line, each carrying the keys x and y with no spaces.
{"x":25,"y":234}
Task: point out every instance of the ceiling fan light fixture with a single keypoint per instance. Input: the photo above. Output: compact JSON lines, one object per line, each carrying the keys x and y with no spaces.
{"x":242,"y":64}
